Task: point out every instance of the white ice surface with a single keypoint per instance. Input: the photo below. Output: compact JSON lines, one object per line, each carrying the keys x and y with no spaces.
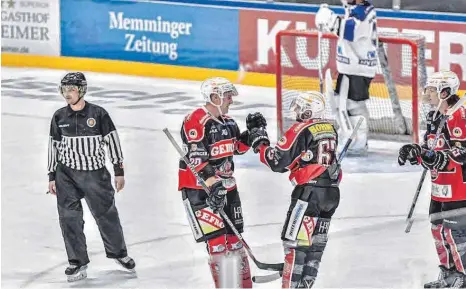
{"x":367,"y":245}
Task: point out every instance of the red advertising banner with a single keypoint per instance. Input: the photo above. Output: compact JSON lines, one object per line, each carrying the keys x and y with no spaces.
{"x":445,"y":44}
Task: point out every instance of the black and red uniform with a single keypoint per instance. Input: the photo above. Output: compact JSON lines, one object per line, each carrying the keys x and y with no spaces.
{"x":448,"y":188}
{"x":210,"y":144}
{"x":308,"y":151}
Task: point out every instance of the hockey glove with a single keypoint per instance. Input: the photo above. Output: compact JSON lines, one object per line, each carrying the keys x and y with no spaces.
{"x":409,"y":152}
{"x":255,"y":120}
{"x":435,"y":160}
{"x":258,"y":136}
{"x":244,"y":138}
{"x":217,"y":198}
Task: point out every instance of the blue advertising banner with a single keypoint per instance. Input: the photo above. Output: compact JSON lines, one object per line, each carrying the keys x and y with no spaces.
{"x":150,"y":32}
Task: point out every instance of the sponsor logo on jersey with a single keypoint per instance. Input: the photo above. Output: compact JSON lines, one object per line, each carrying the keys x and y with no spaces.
{"x":213,"y":130}
{"x":192,"y":133}
{"x":282,"y":141}
{"x":222,"y":149}
{"x":368,"y":62}
{"x":193,"y":147}
{"x":440,"y":142}
{"x":91,"y":122}
{"x":441,"y":191}
{"x":457,"y":132}
{"x":64,"y":125}
{"x":343,"y":59}
{"x":320,"y":128}
{"x":307,"y":156}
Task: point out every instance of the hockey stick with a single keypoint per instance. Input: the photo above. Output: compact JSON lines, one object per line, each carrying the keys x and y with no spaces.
{"x":275,"y":276}
{"x":410,"y":218}
{"x":260,"y":265}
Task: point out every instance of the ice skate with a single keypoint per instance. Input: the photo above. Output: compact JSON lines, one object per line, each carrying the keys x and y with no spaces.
{"x":127,"y":263}
{"x":76,"y":273}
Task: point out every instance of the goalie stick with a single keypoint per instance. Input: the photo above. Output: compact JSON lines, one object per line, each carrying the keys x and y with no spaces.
{"x":410,"y":218}
{"x":275,"y":276}
{"x":260,"y":265}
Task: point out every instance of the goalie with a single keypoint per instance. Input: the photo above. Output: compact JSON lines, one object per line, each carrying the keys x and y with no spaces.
{"x":356,"y":57}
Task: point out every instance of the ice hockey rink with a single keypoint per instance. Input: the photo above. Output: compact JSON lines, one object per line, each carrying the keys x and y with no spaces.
{"x":367,"y":247}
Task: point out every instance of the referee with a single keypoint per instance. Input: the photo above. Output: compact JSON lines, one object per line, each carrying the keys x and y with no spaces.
{"x":76,"y":165}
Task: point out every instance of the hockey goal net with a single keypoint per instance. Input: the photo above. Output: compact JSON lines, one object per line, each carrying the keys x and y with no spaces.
{"x":395,"y":106}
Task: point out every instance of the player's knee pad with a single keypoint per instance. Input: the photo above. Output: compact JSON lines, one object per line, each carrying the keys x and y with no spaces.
{"x":442,"y":246}
{"x":204,"y":223}
{"x":456,"y":239}
{"x":295,"y":258}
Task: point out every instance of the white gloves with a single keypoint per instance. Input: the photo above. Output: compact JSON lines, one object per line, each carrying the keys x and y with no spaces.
{"x":326,"y":20}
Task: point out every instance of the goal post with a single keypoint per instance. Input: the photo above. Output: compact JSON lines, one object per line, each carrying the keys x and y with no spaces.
{"x":395,"y":106}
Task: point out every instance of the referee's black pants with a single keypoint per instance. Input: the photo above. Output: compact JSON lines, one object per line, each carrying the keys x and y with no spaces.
{"x":96,"y":188}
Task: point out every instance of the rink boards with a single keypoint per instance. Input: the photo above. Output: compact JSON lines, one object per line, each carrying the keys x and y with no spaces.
{"x":193,"y":39}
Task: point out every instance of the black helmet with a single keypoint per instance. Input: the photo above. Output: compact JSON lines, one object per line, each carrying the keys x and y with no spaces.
{"x":74,"y":79}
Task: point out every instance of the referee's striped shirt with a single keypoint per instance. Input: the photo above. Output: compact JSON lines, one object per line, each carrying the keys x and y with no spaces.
{"x":78,"y":140}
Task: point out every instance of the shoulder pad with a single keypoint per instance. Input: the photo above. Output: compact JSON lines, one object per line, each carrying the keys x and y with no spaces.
{"x":457,"y":124}
{"x":290,"y":136}
{"x":193,"y":125}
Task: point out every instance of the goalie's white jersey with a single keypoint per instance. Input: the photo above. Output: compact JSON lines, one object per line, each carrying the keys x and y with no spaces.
{"x":357,"y":44}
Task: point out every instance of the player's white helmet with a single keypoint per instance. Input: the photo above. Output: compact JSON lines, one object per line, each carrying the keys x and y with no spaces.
{"x":308,"y":104}
{"x":443,"y":81}
{"x":218,"y":86}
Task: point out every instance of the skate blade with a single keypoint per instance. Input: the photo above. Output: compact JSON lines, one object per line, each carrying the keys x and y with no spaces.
{"x":78,"y":276}
{"x":129,"y":270}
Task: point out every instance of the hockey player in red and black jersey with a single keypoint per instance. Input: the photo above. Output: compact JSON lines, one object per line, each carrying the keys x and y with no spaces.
{"x":308,"y":151}
{"x":448,"y":173}
{"x":211,"y":139}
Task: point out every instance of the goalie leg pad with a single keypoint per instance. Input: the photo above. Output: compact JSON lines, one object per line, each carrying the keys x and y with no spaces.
{"x":204,"y":223}
{"x":235,"y":247}
{"x":359,"y":144}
